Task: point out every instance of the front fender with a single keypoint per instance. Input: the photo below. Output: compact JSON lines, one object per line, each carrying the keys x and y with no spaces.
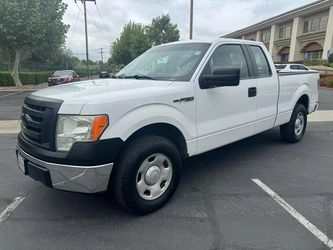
{"x":145,"y":115}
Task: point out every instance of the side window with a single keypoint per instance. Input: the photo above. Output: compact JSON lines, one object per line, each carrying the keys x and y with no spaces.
{"x":228,"y":56}
{"x":294,"y":67}
{"x":301,"y":67}
{"x":261,"y":62}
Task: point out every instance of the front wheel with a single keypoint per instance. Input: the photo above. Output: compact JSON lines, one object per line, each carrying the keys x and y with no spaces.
{"x":147,"y":174}
{"x":294,"y":130}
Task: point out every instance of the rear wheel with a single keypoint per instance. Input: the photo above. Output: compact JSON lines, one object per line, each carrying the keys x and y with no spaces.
{"x":147,"y":174}
{"x":294,"y":130}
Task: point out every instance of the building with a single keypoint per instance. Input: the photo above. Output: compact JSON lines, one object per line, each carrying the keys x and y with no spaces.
{"x":301,"y":34}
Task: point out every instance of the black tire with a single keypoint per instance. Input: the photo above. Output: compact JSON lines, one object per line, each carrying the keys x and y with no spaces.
{"x":288,"y":131}
{"x":124,"y":175}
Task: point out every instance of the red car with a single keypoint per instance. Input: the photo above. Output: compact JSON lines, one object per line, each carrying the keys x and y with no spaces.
{"x":63,"y":76}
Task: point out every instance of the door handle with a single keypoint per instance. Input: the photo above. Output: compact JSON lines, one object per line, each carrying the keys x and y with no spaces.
{"x":252,"y":92}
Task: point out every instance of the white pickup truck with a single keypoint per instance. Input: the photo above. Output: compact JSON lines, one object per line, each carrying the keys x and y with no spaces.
{"x":130,"y":134}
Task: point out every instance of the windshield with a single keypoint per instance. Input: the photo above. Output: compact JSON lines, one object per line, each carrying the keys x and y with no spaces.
{"x":176,"y":62}
{"x":280,"y":66}
{"x":63,"y":72}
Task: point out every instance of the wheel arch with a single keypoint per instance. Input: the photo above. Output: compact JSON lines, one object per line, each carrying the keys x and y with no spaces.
{"x":165,"y":130}
{"x":305,"y":100}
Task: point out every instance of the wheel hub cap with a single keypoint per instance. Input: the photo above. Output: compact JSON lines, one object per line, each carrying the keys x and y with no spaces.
{"x":153,"y":174}
{"x":299,"y":124}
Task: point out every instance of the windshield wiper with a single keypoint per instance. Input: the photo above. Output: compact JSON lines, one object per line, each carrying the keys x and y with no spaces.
{"x":136,"y":76}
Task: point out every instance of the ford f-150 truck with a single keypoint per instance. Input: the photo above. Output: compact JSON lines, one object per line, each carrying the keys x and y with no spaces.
{"x":129,"y":134}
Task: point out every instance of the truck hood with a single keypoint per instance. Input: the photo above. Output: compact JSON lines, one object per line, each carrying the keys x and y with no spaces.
{"x":75,"y":95}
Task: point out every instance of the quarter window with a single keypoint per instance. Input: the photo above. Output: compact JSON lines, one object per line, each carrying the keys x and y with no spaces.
{"x":261,"y":63}
{"x":228,"y":56}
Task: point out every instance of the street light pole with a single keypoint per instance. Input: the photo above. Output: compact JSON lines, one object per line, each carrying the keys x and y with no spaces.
{"x":191,"y":19}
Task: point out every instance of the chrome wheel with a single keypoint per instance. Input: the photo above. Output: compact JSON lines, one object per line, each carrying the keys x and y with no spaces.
{"x":299,"y":124}
{"x":154,"y":176}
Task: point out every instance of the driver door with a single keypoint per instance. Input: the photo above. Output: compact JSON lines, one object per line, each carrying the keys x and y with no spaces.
{"x":226,"y":114}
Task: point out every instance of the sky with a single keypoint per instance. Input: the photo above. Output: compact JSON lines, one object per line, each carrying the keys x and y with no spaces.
{"x":212,"y":19}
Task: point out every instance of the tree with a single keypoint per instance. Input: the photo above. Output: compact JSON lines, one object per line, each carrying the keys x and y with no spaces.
{"x":137,"y":38}
{"x":162,"y":31}
{"x":30,"y":26}
{"x":131,"y":43}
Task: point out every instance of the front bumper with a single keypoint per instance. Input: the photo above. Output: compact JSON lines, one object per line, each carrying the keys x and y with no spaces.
{"x":74,"y":178}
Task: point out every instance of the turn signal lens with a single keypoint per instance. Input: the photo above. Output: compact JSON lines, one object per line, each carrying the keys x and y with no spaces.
{"x":100,"y":123}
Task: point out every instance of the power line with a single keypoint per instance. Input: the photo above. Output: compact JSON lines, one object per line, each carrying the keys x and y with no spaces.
{"x":71,"y":35}
{"x":96,"y":26}
{"x":101,"y":17}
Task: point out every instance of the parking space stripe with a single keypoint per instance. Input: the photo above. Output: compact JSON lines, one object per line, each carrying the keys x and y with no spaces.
{"x":292,"y":211}
{"x":9,"y":94}
{"x":10,"y":126}
{"x":321,"y":116}
{"x":10,"y":208}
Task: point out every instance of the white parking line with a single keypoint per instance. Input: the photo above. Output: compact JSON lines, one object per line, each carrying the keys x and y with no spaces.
{"x":321,"y":116}
{"x":9,"y":94}
{"x":300,"y":218}
{"x":10,"y":208}
{"x":10,"y":126}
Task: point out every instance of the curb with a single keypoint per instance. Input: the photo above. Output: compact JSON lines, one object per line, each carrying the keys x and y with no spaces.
{"x":23,"y":88}
{"x":326,"y":88}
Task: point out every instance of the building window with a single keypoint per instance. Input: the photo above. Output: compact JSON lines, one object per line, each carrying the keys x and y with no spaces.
{"x":312,"y":51}
{"x":285,"y":58}
{"x":323,"y":22}
{"x":285,"y":31}
{"x":265,"y":36}
{"x":284,"y":53}
{"x":315,"y":24}
{"x":313,"y":55}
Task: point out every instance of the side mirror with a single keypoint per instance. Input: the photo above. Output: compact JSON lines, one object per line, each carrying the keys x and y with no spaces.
{"x":221,"y":77}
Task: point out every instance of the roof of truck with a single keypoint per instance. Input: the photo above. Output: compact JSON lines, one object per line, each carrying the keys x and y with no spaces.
{"x":217,"y":40}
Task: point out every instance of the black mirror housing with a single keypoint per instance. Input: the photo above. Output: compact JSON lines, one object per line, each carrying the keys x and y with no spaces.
{"x":221,"y":77}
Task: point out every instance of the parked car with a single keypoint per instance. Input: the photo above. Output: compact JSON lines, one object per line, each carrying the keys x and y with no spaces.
{"x":130,"y":134}
{"x":104,"y":74}
{"x":63,"y":76}
{"x":291,"y":67}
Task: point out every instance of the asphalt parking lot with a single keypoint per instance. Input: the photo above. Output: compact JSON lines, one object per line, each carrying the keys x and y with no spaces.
{"x":217,"y":204}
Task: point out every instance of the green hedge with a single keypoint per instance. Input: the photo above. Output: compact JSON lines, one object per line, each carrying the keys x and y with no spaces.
{"x":25,"y":77}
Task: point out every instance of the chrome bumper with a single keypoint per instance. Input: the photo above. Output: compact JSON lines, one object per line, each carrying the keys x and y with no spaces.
{"x":82,"y":179}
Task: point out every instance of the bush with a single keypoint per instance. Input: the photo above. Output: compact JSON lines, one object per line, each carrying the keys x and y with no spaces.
{"x":25,"y":77}
{"x":312,"y":62}
{"x":327,"y":81}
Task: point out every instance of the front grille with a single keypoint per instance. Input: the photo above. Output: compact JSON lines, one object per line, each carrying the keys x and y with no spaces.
{"x":38,"y":120}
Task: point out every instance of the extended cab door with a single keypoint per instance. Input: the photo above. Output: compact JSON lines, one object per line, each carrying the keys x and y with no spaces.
{"x":267,"y":87}
{"x":226,"y":114}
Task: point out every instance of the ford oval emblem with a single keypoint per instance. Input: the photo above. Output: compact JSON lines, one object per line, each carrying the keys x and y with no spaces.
{"x":26,"y":119}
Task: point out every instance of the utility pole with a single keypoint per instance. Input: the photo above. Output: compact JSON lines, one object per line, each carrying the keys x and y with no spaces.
{"x":101,"y":52}
{"x":191,"y":19}
{"x":86,"y":32}
{"x":101,"y":55}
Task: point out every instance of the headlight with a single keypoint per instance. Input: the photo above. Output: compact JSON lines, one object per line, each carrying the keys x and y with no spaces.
{"x":71,"y":129}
